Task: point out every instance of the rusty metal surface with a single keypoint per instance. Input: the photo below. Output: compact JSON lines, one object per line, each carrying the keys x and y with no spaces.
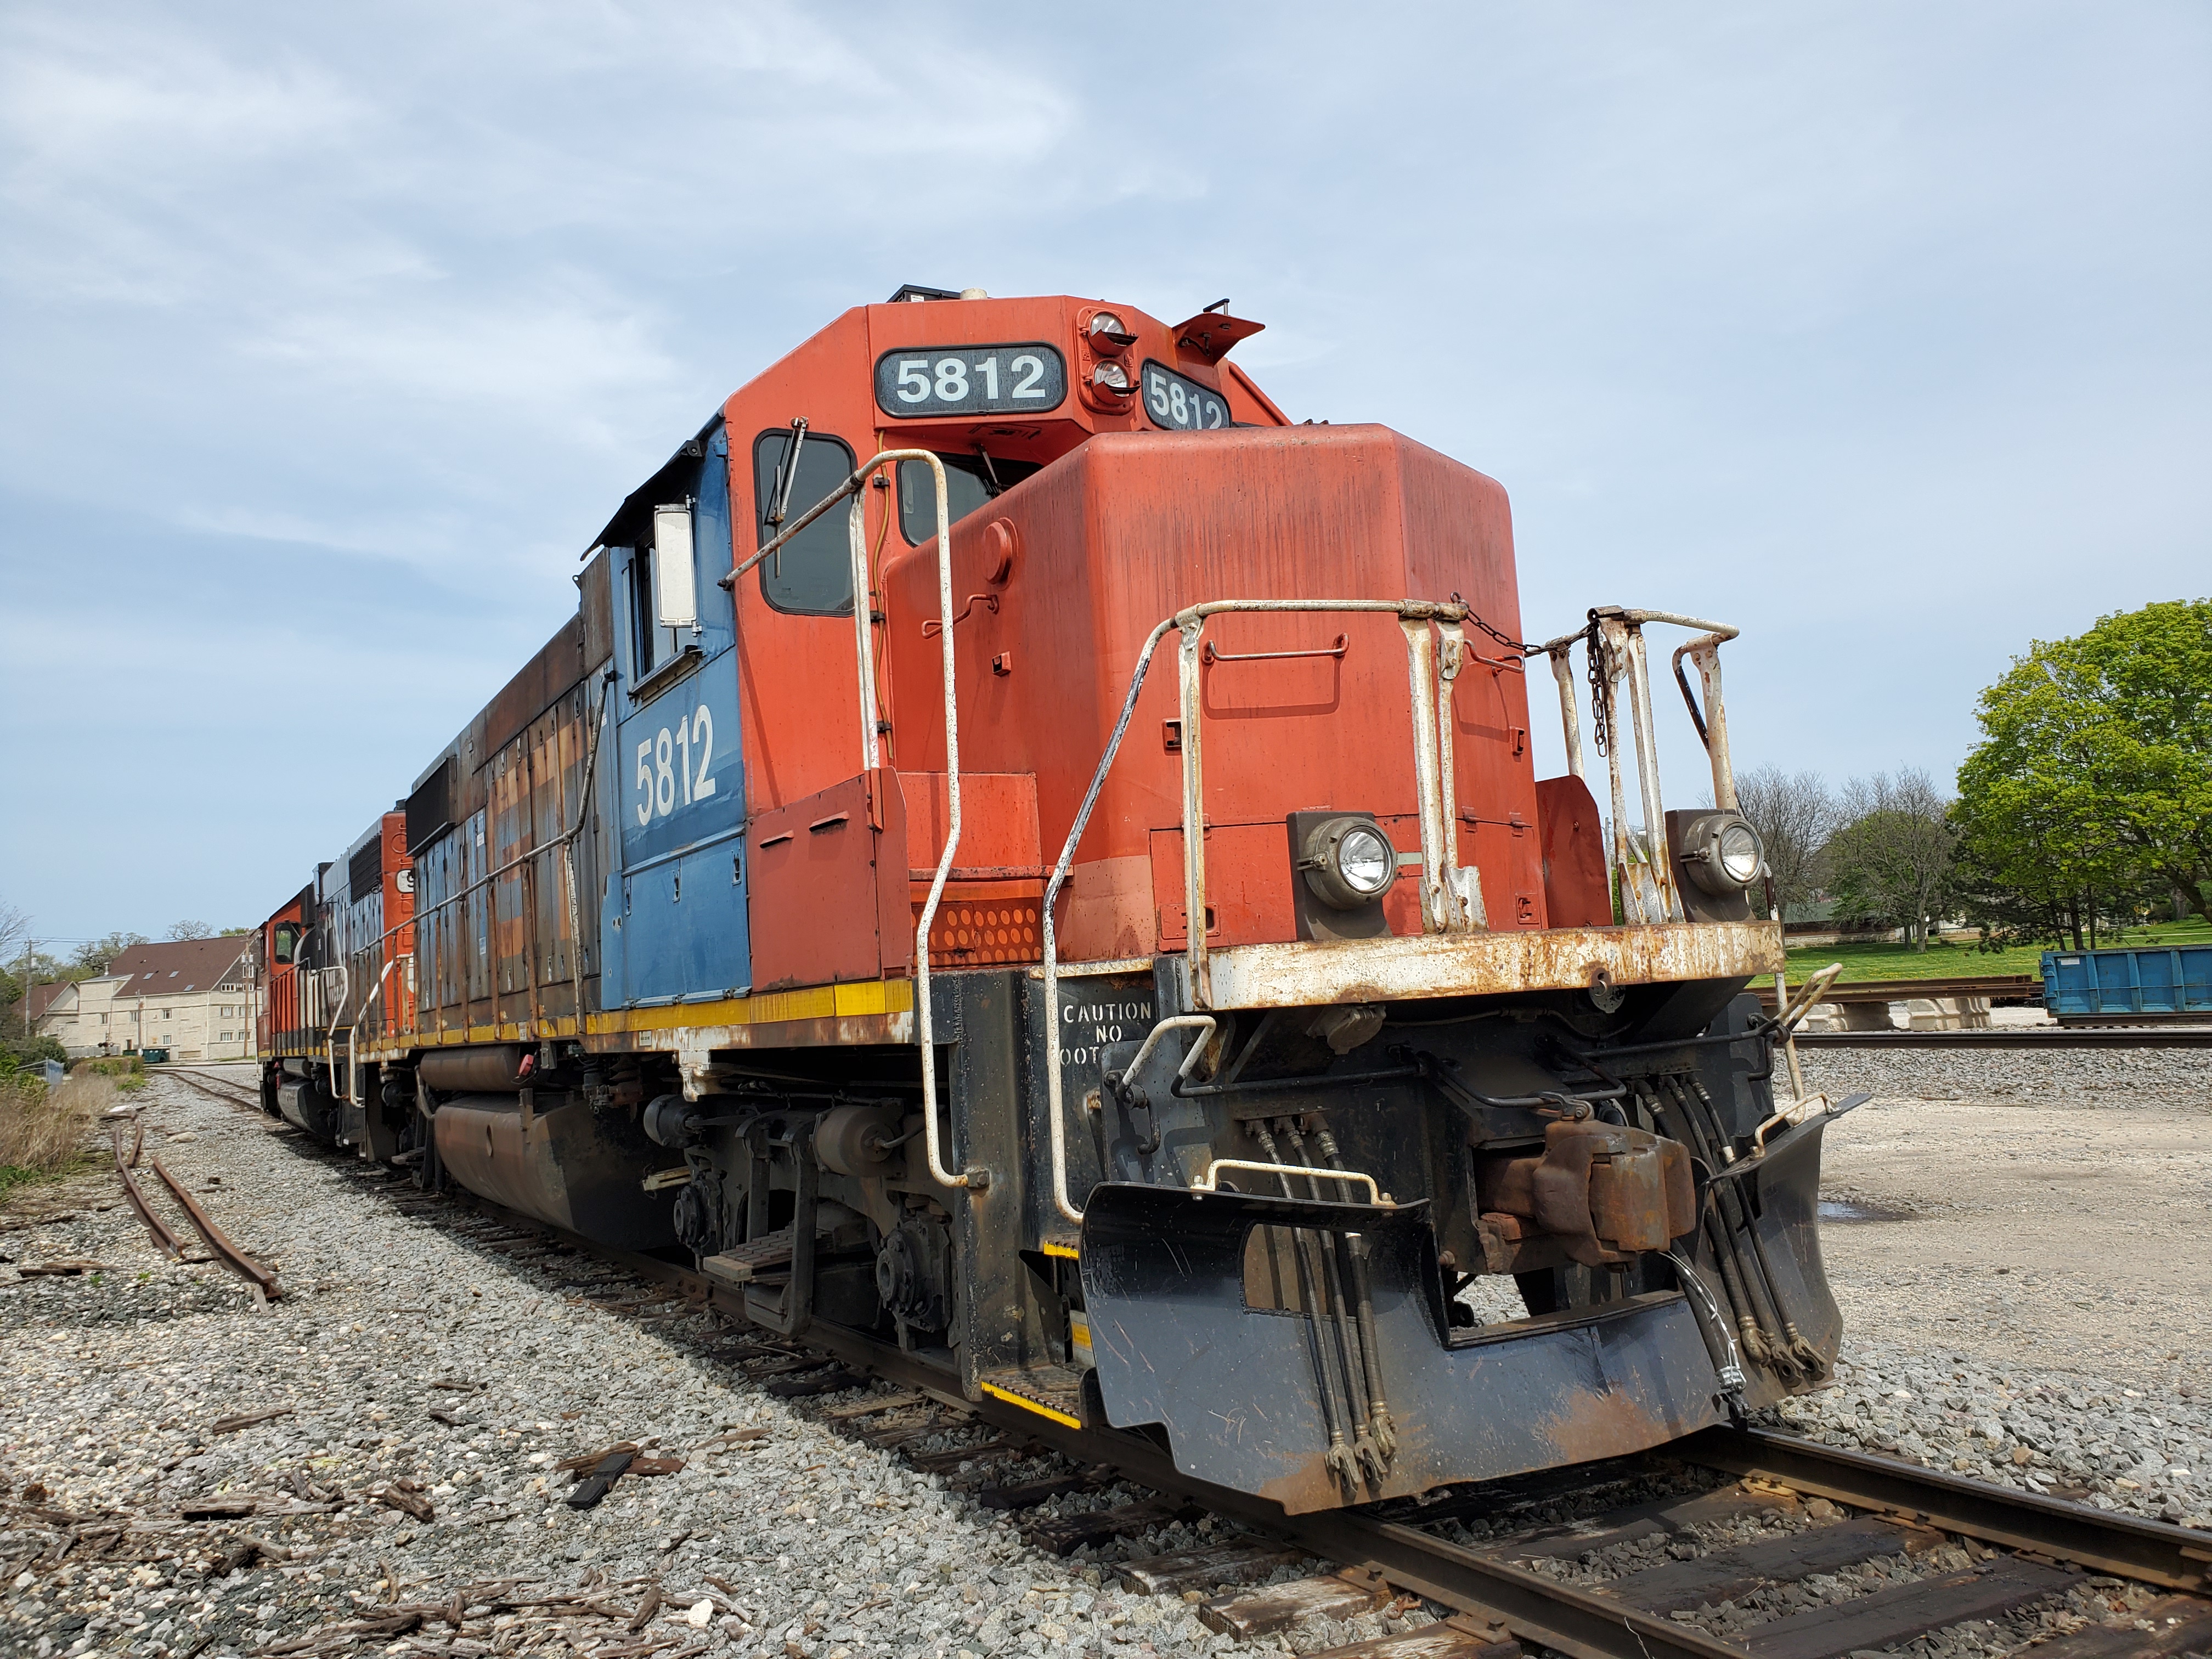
{"x":164,"y":1240}
{"x":1489,"y":964}
{"x":1175,"y":1342}
{"x":226,"y":1252}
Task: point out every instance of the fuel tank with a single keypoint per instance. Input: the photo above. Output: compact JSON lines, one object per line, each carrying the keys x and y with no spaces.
{"x":304,"y":1101}
{"x":562,"y":1164}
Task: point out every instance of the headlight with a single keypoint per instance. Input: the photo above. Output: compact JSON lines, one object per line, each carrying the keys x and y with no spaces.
{"x":1722,"y":854}
{"x":1347,"y":861}
{"x":1109,"y":335}
{"x":1366,"y":861}
{"x":1739,"y":853}
{"x":1111,"y":377}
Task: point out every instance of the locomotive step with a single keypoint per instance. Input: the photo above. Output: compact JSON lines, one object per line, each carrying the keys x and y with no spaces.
{"x":1051,"y":1391}
{"x":742,"y":1263}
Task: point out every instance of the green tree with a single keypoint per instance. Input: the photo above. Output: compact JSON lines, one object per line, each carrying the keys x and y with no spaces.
{"x":2094,"y":776}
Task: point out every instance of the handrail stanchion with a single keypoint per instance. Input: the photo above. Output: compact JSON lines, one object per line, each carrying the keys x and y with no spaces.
{"x":1193,"y":809}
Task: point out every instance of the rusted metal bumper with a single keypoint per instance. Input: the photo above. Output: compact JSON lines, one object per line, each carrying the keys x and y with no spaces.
{"x":1236,"y":1388}
{"x":1485,"y":963}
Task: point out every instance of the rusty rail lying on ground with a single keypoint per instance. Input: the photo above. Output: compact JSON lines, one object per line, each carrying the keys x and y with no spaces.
{"x":226,"y":1252}
{"x":164,"y":1240}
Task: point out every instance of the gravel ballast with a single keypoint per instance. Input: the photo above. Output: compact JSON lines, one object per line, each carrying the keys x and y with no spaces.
{"x":799,"y":1542}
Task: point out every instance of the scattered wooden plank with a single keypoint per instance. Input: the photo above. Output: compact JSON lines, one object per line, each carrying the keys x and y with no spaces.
{"x":1455,"y":1638}
{"x":1664,"y":1516}
{"x":1898,"y":1614}
{"x":600,"y":1481}
{"x":1064,"y":1535}
{"x":246,"y":1419}
{"x":214,"y":1509}
{"x":458,"y":1385}
{"x":586,"y":1459}
{"x":885,"y":1402}
{"x":800,"y":1388}
{"x":1028,"y":1496}
{"x":941,"y":1463}
{"x":61,"y":1269}
{"x":1279,"y":1606}
{"x":406,"y":1496}
{"x":894,"y":1435}
{"x":1723,"y":1574}
{"x":1238,"y":1562}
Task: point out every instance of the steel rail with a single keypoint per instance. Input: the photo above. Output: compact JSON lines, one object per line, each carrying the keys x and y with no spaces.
{"x":164,"y":1240}
{"x":226,"y":1251}
{"x":1536,"y":1609}
{"x":2106,"y":1540}
{"x":2030,"y":1037}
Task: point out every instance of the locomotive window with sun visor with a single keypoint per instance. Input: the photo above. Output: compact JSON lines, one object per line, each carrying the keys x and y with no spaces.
{"x":970,"y":481}
{"x":811,"y":576}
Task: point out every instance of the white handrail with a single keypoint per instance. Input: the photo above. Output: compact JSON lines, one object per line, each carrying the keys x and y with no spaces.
{"x":1458,"y":905}
{"x":864,"y":623}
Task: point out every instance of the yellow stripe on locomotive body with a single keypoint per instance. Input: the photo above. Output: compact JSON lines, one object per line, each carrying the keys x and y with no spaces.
{"x":1201,"y":1035}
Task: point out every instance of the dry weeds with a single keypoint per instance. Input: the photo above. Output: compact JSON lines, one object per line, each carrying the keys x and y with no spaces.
{"x":43,"y":1131}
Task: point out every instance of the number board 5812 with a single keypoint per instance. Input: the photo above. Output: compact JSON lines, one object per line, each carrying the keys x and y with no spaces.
{"x":1181,"y":404}
{"x":985,"y":379}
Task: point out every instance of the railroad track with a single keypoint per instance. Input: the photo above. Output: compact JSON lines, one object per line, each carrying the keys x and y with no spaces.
{"x":2008,"y":988}
{"x":2032,"y":1037}
{"x":2027,"y":1548}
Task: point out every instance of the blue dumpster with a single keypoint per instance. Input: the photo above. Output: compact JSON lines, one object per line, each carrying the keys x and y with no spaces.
{"x":2143,"y":984}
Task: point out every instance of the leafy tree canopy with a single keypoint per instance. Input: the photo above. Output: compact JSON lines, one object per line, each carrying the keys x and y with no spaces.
{"x":2094,"y":773}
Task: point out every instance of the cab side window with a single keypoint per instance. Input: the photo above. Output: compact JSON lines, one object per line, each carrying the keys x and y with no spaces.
{"x":287,"y":941}
{"x":812,"y":575}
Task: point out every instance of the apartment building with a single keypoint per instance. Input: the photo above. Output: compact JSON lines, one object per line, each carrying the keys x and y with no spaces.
{"x":187,"y":996}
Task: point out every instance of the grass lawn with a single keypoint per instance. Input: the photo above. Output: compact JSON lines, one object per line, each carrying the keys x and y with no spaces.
{"x":1941,"y":961}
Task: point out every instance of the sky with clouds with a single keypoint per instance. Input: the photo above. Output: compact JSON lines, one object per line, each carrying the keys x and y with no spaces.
{"x":328,"y":339}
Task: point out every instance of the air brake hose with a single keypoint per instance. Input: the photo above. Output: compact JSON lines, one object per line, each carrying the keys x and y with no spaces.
{"x":1339,"y":1456}
{"x":1808,"y":1357}
{"x":1352,"y":1336}
{"x":1378,"y":1407}
{"x":1682,"y":1126}
{"x":1733,"y":1222}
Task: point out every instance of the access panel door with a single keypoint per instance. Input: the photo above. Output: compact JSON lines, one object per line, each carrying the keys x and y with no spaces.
{"x":676,"y":927}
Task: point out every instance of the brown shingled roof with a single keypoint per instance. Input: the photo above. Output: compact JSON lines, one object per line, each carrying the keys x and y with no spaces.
{"x":42,"y":997}
{"x":175,"y":967}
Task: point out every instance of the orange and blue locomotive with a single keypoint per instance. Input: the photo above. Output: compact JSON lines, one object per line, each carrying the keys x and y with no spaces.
{"x":1028,"y":861}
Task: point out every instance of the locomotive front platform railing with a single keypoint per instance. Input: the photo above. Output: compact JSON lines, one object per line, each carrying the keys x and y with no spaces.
{"x":1451,"y":897}
{"x":1613,"y":644}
